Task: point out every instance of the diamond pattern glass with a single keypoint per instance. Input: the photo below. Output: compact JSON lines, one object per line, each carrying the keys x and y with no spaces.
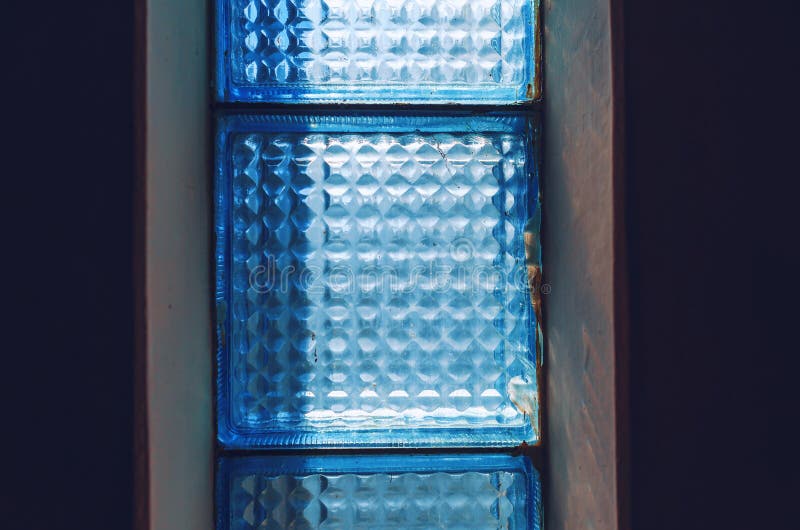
{"x":372,"y":283}
{"x":380,"y":51}
{"x":479,"y":492}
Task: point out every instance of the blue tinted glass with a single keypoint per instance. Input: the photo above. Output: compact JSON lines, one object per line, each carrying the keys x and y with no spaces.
{"x":372,"y":284}
{"x":461,"y":51}
{"x":479,"y":492}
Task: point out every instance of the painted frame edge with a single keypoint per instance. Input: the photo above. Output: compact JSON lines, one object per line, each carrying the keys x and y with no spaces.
{"x":581,"y":491}
{"x":162,"y":413}
{"x":621,"y":282}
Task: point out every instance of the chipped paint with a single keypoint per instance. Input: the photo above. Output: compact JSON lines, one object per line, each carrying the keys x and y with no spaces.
{"x":523,"y":389}
{"x":523,"y":392}
{"x":533,"y":262}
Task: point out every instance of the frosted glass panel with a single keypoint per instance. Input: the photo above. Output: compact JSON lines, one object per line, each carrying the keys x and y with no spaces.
{"x":478,"y":492}
{"x":461,"y":51}
{"x":372,"y":284}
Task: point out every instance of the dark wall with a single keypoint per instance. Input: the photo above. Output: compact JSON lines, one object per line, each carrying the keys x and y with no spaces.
{"x":712,"y":190}
{"x":67,"y":332}
{"x":712,"y":201}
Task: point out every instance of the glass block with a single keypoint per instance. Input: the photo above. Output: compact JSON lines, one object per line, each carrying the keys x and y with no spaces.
{"x":479,"y":492}
{"x":372,"y":286}
{"x":378,"y":51}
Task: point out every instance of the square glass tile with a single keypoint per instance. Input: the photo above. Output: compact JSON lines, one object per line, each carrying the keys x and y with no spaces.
{"x":372,"y":285}
{"x":478,"y":492}
{"x":389,"y":51}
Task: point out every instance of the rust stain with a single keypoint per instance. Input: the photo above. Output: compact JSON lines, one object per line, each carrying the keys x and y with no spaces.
{"x":535,"y":287}
{"x":522,"y":395}
{"x":523,"y":392}
{"x":522,"y":448}
{"x":536,"y":91}
{"x":528,"y":399}
{"x":533,"y":261}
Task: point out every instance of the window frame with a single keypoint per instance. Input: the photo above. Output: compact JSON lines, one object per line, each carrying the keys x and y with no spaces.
{"x":583,"y":461}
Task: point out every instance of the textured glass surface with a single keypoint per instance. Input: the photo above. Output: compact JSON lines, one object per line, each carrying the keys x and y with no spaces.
{"x":479,"y":492}
{"x":372,"y":284}
{"x":462,"y":51}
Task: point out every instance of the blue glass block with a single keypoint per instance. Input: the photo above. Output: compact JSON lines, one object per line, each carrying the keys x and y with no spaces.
{"x":377,"y":51}
{"x":479,"y":492}
{"x":371,"y":280}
